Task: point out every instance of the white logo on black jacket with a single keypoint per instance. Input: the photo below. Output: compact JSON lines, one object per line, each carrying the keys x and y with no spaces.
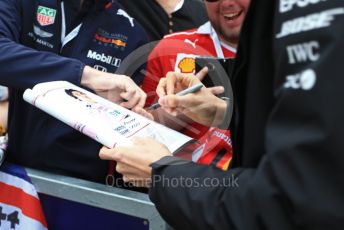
{"x":104,"y":58}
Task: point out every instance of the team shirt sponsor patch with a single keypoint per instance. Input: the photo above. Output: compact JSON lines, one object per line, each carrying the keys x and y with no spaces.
{"x":105,"y":38}
{"x":39,"y":32}
{"x":126,"y":15}
{"x":45,"y":16}
{"x":185,"y":63}
{"x":108,"y":59}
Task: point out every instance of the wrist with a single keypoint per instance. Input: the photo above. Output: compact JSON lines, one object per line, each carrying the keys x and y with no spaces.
{"x":221,"y":117}
{"x":88,"y":75}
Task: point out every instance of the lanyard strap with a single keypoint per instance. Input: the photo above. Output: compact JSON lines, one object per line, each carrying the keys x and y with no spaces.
{"x":65,"y":39}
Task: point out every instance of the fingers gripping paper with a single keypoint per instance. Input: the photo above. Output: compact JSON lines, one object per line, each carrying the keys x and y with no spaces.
{"x":98,"y":118}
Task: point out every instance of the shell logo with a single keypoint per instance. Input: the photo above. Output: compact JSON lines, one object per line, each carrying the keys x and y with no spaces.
{"x":187,"y":65}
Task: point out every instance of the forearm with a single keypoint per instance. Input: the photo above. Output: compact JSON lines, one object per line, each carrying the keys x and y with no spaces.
{"x":223,"y":114}
{"x":23,"y":67}
{"x":96,"y":80}
{"x":275,"y":195}
{"x":186,"y":198}
{"x":88,"y":76}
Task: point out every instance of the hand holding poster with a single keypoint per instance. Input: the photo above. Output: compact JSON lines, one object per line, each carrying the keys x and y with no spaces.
{"x":98,"y":118}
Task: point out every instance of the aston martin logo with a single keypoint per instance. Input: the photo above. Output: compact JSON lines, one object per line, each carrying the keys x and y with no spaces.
{"x":39,"y":32}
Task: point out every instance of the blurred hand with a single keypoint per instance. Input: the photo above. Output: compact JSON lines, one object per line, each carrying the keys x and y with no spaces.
{"x":144,"y":113}
{"x":113,"y":87}
{"x":203,"y":106}
{"x":175,"y":82}
{"x":133,"y":161}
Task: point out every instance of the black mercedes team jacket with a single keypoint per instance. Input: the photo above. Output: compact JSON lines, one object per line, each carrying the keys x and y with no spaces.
{"x":288,"y":130}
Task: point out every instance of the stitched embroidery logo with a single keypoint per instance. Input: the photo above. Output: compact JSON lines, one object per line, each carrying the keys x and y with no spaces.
{"x":45,"y":15}
{"x":105,"y":38}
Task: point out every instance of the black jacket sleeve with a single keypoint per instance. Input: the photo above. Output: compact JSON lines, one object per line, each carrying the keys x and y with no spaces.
{"x":298,"y":182}
{"x":23,"y":67}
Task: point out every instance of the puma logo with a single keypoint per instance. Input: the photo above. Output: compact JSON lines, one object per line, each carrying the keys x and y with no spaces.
{"x":191,"y":43}
{"x":126,"y":15}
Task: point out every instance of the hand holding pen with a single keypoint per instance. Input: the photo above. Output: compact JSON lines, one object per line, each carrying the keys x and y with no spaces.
{"x":191,"y":89}
{"x":201,"y":106}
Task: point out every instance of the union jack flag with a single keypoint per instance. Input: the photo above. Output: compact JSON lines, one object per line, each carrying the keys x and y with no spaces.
{"x":20,"y":207}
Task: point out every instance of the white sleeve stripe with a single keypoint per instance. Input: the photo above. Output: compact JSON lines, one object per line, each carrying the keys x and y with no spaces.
{"x":18,"y":183}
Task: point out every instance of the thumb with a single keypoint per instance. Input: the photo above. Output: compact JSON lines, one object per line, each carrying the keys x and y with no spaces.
{"x":216,"y":90}
{"x":105,"y":153}
{"x":168,"y":101}
{"x":174,"y":101}
{"x":202,"y":73}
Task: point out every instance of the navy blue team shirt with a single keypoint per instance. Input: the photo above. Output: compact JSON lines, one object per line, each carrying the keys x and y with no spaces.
{"x":31,"y":52}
